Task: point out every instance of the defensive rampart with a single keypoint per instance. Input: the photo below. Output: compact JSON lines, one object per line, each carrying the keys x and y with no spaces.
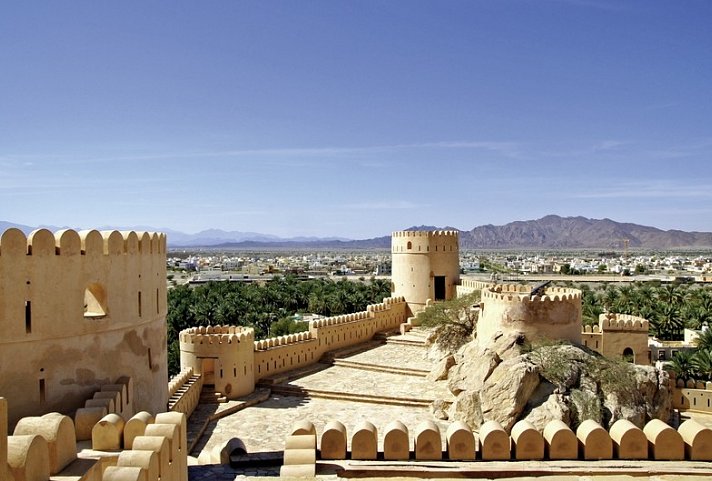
{"x":692,"y":395}
{"x":468,"y":286}
{"x":230,"y":359}
{"x":508,"y":307}
{"x":590,"y":441}
{"x":78,"y":310}
{"x":143,"y":446}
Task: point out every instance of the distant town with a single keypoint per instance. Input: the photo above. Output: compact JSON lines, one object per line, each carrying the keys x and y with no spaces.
{"x":200,"y":266}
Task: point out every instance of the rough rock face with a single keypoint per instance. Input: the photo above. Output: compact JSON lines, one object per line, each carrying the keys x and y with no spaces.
{"x":500,"y":380}
{"x":441,"y":368}
{"x":507,"y":390}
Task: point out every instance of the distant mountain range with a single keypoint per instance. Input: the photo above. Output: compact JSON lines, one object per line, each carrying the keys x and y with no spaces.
{"x":550,"y":232}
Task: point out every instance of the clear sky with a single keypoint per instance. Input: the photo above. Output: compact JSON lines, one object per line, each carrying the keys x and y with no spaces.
{"x":355,"y":119}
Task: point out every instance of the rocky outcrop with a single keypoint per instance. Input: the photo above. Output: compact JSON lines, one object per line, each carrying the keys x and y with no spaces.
{"x":505,"y":380}
{"x":439,"y":372}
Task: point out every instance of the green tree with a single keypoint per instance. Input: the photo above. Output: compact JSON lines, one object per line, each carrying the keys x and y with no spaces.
{"x":681,"y":365}
{"x":453,"y":321}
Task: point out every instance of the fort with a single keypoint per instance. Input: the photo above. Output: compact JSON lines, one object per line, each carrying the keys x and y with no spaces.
{"x":85,"y":388}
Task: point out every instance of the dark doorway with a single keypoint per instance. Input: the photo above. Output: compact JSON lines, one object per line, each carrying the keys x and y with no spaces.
{"x":439,"y":288}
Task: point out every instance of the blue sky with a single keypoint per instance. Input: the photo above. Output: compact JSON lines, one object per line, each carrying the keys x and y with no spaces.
{"x":355,"y":118}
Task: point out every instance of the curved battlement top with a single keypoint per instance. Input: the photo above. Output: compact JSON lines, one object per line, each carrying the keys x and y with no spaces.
{"x":217,"y":335}
{"x":622,"y":322}
{"x":425,"y":233}
{"x":68,"y":242}
{"x":518,"y":293}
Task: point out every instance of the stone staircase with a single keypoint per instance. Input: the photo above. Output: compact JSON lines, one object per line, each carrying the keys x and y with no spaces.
{"x":209,"y":396}
{"x":182,"y":390}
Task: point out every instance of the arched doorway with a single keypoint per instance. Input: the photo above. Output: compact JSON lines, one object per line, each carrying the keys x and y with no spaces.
{"x":629,"y":355}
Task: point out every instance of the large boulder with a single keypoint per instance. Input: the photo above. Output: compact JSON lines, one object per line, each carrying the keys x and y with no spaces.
{"x":507,"y":390}
{"x":467,"y":408}
{"x":553,"y":408}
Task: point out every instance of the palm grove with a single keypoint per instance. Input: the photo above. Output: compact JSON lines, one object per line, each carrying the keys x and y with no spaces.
{"x":670,"y":308}
{"x":270,"y":308}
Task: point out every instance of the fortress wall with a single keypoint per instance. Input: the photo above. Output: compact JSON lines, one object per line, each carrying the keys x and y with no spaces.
{"x":229,"y":358}
{"x":468,"y":286}
{"x":556,"y":314}
{"x":592,"y":340}
{"x":277,"y":355}
{"x":94,"y":300}
{"x":274,"y":360}
{"x":698,"y":399}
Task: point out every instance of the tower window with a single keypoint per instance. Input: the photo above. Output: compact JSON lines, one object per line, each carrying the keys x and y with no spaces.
{"x":94,"y":302}
{"x":158,"y":304}
{"x":410,"y":245}
{"x":139,"y":303}
{"x":28,"y":317}
{"x":43,"y":391}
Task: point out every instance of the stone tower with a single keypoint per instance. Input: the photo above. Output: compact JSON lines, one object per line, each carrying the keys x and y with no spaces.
{"x":426,"y":266}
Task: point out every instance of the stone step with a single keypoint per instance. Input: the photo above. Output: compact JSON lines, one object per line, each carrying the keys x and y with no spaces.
{"x":406,"y":342}
{"x":380,"y":368}
{"x":345,"y":396}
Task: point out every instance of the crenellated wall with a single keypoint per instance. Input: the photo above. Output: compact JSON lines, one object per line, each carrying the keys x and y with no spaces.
{"x":619,"y":336}
{"x":508,"y":308}
{"x":420,"y":261}
{"x":656,"y":441}
{"x":692,"y":395}
{"x":229,"y":358}
{"x":78,"y":310}
{"x":468,"y":286}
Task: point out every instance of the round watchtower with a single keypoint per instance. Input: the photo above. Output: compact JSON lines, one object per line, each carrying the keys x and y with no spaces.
{"x":555,"y":314}
{"x":223,"y":355}
{"x":425,"y":265}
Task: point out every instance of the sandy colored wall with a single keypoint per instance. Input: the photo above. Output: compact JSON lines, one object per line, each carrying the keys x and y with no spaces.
{"x":236,"y":362}
{"x":693,"y":397}
{"x":273,"y":356}
{"x":44,"y":282}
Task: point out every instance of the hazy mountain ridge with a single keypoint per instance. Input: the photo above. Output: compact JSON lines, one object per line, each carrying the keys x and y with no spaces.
{"x":549,"y":232}
{"x":554,"y":232}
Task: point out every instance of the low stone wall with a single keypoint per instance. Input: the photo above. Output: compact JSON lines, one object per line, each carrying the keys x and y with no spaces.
{"x":590,"y":441}
{"x":692,"y":396}
{"x":142,"y":447}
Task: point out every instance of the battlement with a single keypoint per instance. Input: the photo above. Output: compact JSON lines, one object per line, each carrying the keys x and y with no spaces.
{"x":217,"y":335}
{"x":622,"y":322}
{"x":474,"y":284}
{"x":67,"y":242}
{"x":591,"y":329}
{"x":425,"y":233}
{"x":282,"y":340}
{"x":516,"y":293}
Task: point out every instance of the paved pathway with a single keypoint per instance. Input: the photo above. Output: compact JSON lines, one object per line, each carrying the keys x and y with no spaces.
{"x":263,"y":427}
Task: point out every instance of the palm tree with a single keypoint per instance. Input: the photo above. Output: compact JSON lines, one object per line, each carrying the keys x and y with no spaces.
{"x":667,"y":322}
{"x":681,"y":365}
{"x":704,"y":341}
{"x":702,"y":364}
